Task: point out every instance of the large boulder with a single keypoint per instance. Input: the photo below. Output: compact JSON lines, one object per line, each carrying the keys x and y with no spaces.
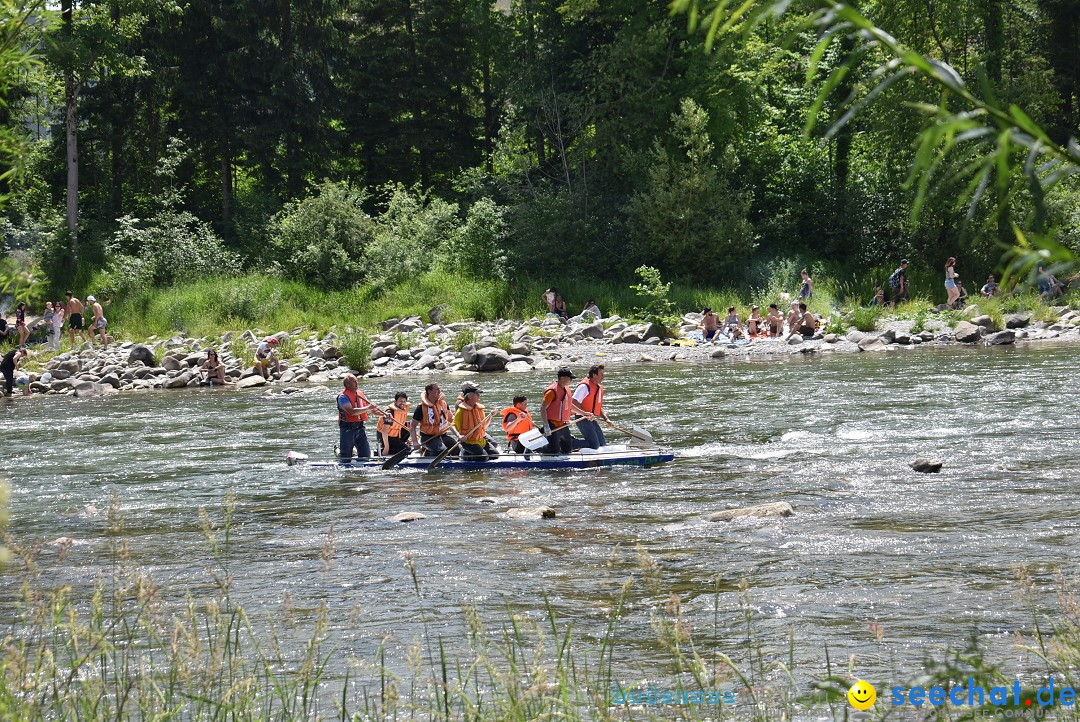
{"x":178,"y":382}
{"x":253,"y":381}
{"x":654,"y":330}
{"x":491,"y":359}
{"x":171,"y":363}
{"x":72,"y":366}
{"x":1001,"y":338}
{"x":1017,"y":320}
{"x":774,"y":510}
{"x":86,"y":389}
{"x":984,"y":321}
{"x":872,"y":344}
{"x":468,"y":354}
{"x":143,"y":354}
{"x":968,"y":332}
{"x":593,"y":330}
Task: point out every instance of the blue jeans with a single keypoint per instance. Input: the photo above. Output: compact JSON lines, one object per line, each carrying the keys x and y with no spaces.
{"x":594,"y":435}
{"x":352,"y":437}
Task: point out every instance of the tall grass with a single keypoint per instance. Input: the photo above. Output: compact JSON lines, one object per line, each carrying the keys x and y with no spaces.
{"x":121,"y":651}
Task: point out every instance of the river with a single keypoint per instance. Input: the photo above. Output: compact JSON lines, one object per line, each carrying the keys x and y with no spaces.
{"x":873,"y":549}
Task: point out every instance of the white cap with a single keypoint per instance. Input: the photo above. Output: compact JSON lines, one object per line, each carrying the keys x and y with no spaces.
{"x":91,"y":299}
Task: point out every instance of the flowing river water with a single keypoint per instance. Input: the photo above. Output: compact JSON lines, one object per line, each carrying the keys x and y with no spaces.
{"x":874,"y":549}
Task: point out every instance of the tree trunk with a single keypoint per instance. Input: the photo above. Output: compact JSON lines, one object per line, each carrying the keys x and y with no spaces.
{"x":71,"y":135}
{"x":226,"y":182}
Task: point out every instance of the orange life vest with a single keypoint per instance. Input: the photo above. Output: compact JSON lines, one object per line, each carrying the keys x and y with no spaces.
{"x":558,"y":411}
{"x":519,"y":425}
{"x":433,"y":417}
{"x":472,"y":423}
{"x":397,"y":425}
{"x":594,"y":400}
{"x":356,"y":399}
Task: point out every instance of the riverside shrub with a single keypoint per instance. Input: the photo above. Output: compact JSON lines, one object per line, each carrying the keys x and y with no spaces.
{"x":322,"y":239}
{"x":356,"y":350}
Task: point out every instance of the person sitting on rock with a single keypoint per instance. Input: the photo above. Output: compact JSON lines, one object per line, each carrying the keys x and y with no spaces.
{"x":808,"y":323}
{"x":774,"y":321}
{"x":215,"y":370}
{"x":990,"y":289}
{"x":591,"y":307}
{"x":755,"y":325}
{"x":265,"y":357}
{"x":471,"y":423}
{"x":710,"y":324}
{"x":732,"y":325}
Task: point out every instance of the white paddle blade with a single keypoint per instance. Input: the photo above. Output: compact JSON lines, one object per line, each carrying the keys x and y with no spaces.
{"x":533,"y":439}
{"x":643,"y":435}
{"x":295,"y":457}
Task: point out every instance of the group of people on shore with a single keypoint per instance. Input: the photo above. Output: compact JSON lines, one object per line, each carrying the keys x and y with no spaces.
{"x":1048,"y":286}
{"x":55,"y":313}
{"x":433,"y":427}
{"x":800,"y":321}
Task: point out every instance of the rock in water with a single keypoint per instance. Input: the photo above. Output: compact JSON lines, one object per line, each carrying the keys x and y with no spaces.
{"x":531,"y":512}
{"x":407,"y":516}
{"x":775,"y":510}
{"x":926,"y":466}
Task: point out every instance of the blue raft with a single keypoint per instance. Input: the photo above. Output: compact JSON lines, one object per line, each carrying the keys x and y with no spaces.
{"x":581,"y":459}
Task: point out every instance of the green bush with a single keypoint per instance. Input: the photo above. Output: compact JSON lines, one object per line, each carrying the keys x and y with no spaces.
{"x":322,"y":239}
{"x":356,"y":350}
{"x":170,"y":247}
{"x":409,"y":236}
{"x":504,"y":341}
{"x":654,"y":292}
{"x":865,"y":319}
{"x":477,"y":248}
{"x":463,"y":338}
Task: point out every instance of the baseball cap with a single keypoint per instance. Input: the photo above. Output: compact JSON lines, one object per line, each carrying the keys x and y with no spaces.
{"x":470,"y":388}
{"x":91,"y":299}
{"x":565,"y":372}
{"x":903,"y":261}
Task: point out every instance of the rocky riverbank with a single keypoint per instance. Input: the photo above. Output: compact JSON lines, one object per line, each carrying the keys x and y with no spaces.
{"x":412,"y":347}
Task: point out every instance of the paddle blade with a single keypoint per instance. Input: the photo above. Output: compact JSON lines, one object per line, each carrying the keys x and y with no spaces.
{"x":295,"y":457}
{"x":533,"y":439}
{"x":396,"y":458}
{"x":438,"y":459}
{"x":642,"y":435}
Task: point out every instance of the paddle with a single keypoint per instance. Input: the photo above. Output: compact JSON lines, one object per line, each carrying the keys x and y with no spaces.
{"x":638,"y":434}
{"x":443,"y":454}
{"x":396,"y":459}
{"x":534,"y":439}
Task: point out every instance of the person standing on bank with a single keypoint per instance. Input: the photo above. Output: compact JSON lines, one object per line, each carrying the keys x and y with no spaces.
{"x":950,"y":281}
{"x":8,"y":365}
{"x":555,"y":412}
{"x":589,"y":396}
{"x":898,"y":283}
{"x":98,"y":324}
{"x":471,"y":423}
{"x":392,"y":429}
{"x":433,"y":420}
{"x":75,"y":310}
{"x":353,"y":408}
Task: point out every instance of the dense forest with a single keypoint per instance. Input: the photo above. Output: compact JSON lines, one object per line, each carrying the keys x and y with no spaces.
{"x":339,"y":142}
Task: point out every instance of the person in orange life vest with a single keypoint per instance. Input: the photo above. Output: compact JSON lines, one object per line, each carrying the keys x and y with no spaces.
{"x":470,"y":414}
{"x":589,"y":395}
{"x":515,"y":422}
{"x":555,"y":412}
{"x":392,"y":428}
{"x":432,"y":418}
{"x":353,"y":408}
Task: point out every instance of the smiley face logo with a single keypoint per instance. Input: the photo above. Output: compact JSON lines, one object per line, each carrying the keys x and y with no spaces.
{"x":862,"y":695}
